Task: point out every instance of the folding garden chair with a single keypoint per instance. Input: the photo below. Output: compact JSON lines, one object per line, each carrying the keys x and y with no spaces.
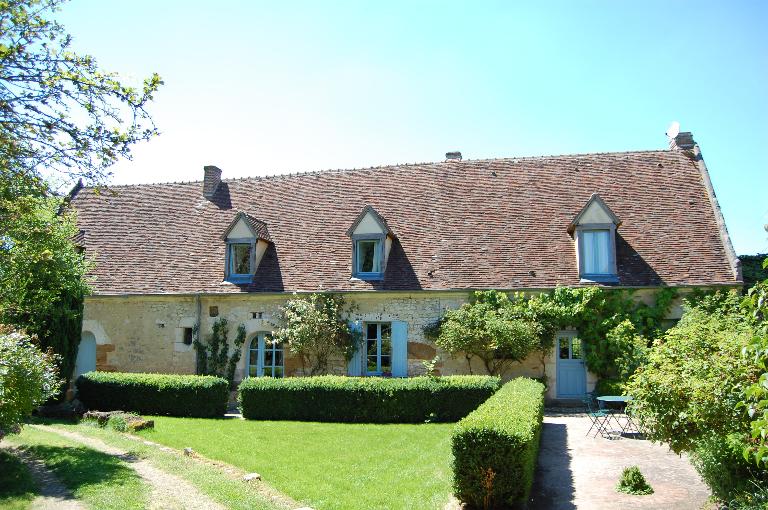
{"x":598,"y":417}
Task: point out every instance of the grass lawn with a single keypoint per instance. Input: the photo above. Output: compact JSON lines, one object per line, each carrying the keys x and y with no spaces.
{"x":17,"y":489}
{"x":97,"y":479}
{"x":327,"y":465}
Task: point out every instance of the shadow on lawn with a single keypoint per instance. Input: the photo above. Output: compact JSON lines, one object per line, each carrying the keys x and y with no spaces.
{"x":553,"y":483}
{"x":16,"y":483}
{"x":78,"y":466}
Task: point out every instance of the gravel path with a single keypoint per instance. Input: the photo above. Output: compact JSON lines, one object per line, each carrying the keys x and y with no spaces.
{"x":52,"y":493}
{"x":169,"y":492}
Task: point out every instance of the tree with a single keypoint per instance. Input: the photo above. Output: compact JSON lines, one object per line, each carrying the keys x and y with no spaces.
{"x":58,"y":109}
{"x":42,"y":276}
{"x":489,"y":329}
{"x":315,"y":328}
{"x":27,"y":379}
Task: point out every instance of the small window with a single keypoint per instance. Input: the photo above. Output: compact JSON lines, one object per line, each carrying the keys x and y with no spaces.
{"x":213,"y":311}
{"x":368,"y":260}
{"x":187,"y":336}
{"x":596,"y":252}
{"x":378,"y":344}
{"x":239,"y":259}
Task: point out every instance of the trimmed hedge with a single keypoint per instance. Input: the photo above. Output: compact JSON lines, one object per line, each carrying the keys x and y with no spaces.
{"x":497,"y":446}
{"x":364,"y":399}
{"x":163,"y":394}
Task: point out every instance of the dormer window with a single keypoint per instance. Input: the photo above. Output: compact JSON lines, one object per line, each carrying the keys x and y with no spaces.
{"x":240,"y":255}
{"x":371,"y":242}
{"x":594,"y":230}
{"x":247,"y":240}
{"x":368,"y":257}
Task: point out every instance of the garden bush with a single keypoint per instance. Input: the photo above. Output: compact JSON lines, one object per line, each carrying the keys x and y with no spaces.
{"x":162,"y":394}
{"x":364,"y":399}
{"x":496,"y":446}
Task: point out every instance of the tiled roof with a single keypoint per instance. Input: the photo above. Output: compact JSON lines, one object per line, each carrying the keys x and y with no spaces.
{"x":499,"y":223}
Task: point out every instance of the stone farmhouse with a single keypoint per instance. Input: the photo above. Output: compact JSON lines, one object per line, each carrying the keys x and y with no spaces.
{"x":403,"y":243}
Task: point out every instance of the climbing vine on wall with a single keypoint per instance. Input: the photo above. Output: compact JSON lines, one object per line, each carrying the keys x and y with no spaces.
{"x":213,"y":356}
{"x":617,"y":329}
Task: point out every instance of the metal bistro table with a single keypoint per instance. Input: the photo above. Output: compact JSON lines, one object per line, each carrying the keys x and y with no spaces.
{"x":616,"y":406}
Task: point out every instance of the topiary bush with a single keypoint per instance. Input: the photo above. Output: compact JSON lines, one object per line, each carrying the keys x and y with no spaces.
{"x":633,"y":482}
{"x":162,"y":394}
{"x":496,"y":446}
{"x":364,"y":399}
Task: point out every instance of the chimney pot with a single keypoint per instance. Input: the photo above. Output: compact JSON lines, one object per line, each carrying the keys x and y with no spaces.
{"x":211,"y":180}
{"x":453,"y":156}
{"x":683,"y":141}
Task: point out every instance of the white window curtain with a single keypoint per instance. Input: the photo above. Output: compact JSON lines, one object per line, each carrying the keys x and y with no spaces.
{"x":596,"y":252}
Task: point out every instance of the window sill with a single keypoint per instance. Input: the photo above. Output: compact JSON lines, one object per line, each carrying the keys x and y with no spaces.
{"x":366,"y":277}
{"x":599,"y":278}
{"x":236,"y":279}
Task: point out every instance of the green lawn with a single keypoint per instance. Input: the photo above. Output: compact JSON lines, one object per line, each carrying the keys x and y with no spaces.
{"x":99,"y":480}
{"x":17,"y":489}
{"x":327,"y":465}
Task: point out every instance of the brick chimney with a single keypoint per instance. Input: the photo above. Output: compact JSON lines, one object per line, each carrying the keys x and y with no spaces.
{"x":683,"y":141}
{"x":453,"y":156}
{"x":211,"y":180}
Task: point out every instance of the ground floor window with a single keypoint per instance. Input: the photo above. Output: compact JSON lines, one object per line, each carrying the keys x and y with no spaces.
{"x":265,"y":357}
{"x":378,"y":348}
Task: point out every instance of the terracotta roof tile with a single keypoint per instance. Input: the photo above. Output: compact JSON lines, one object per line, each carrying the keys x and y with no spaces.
{"x":460,"y":225}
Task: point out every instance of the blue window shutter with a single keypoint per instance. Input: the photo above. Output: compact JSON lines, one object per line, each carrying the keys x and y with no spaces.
{"x":355,"y":365}
{"x":399,"y":349}
{"x":260,"y":369}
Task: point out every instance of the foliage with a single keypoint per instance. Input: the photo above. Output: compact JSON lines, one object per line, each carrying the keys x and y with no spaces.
{"x":315,"y":328}
{"x":488,"y":329}
{"x":753,"y":268}
{"x":756,"y":395}
{"x":59,"y":109}
{"x":28,"y":377}
{"x":610,"y":387}
{"x":695,"y":376}
{"x":364,"y":399}
{"x":721,"y":464}
{"x":162,"y":394}
{"x":322,"y":465}
{"x":495,"y":448}
{"x":430,"y":366}
{"x":633,"y":482}
{"x":42,"y":283}
{"x":213,"y":356}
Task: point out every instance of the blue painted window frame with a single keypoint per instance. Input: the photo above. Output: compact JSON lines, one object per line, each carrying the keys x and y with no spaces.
{"x":239,"y":277}
{"x":379,"y":341}
{"x":380,"y":246}
{"x":259,"y":344}
{"x":609,"y":277}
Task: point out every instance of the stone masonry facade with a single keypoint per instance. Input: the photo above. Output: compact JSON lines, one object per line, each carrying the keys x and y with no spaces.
{"x":146,"y":333}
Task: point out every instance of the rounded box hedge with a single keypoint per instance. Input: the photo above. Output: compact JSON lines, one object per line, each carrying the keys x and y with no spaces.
{"x":496,"y":446}
{"x":162,"y":394}
{"x":364,"y":399}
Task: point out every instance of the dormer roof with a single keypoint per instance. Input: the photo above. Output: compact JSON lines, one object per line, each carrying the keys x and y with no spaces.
{"x":257,"y":228}
{"x":367,"y":215}
{"x":594,"y":211}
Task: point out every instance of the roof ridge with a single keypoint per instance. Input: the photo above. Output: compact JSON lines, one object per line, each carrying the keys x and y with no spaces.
{"x":300,"y":173}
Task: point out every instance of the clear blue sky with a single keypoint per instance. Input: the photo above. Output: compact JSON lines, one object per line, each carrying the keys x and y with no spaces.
{"x":270,"y":87}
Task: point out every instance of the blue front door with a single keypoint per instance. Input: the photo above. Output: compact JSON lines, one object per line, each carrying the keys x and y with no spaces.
{"x":571,"y":372}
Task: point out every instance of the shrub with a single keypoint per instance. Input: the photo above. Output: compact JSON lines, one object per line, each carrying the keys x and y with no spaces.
{"x":163,"y":394}
{"x":28,"y":377}
{"x":721,"y":464}
{"x":610,"y":387}
{"x":315,"y":328}
{"x":496,"y":446}
{"x":213,"y":357}
{"x":633,"y":482}
{"x":364,"y":399}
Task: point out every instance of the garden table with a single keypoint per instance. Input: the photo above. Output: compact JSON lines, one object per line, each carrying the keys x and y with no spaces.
{"x":616,"y":405}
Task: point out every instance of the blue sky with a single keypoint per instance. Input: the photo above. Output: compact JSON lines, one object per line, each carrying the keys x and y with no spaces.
{"x":261,"y":88}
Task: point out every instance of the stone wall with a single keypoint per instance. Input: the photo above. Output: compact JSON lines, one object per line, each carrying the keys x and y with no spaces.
{"x":146,"y":333}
